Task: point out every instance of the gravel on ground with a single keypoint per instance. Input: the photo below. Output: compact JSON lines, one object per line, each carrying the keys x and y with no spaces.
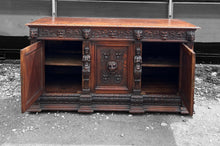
{"x":111,"y":128}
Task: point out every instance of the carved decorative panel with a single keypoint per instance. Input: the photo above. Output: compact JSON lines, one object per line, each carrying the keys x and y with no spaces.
{"x":113,"y":33}
{"x":164,"y":34}
{"x":73,"y":33}
{"x":65,"y":32}
{"x":112,"y":67}
{"x":111,"y":70}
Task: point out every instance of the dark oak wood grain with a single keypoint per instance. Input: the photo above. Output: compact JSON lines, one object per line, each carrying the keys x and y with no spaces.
{"x":113,"y":71}
{"x":187,"y":77}
{"x":73,"y":60}
{"x":160,"y":63}
{"x":32,"y":74}
{"x":109,"y":64}
{"x":113,"y":22}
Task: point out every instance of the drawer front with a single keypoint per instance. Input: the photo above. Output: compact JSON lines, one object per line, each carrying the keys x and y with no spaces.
{"x":113,"y":67}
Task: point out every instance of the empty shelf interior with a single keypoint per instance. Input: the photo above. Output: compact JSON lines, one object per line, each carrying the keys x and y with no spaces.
{"x":160,"y":80}
{"x":160,"y":54}
{"x":63,"y":79}
{"x":63,"y":53}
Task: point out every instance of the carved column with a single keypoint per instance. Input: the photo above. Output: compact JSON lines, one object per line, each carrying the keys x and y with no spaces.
{"x":86,"y":67}
{"x":137,"y":68}
{"x":85,"y":97}
{"x":137,"y":98}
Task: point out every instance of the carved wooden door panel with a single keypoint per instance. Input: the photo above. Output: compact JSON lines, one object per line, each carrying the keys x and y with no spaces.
{"x":187,"y":77}
{"x":113,"y":67}
{"x":32,"y":74}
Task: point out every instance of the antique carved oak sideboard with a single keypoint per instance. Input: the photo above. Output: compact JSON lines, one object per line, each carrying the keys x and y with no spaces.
{"x":109,"y":64}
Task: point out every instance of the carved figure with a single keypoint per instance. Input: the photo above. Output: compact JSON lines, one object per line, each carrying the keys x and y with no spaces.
{"x":112,"y":66}
{"x":138,"y":34}
{"x":113,"y":33}
{"x":60,"y":33}
{"x":137,"y":71}
{"x":86,"y":33}
{"x":86,"y":60}
{"x":137,"y":57}
{"x":33,"y":33}
{"x":190,"y":36}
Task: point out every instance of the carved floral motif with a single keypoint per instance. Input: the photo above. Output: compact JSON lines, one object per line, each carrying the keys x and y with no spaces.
{"x":179,"y":35}
{"x":111,"y":59}
{"x":164,"y":35}
{"x":117,"y":78}
{"x":112,"y":33}
{"x":105,"y":76}
{"x":73,"y":33}
{"x":105,"y":55}
{"x":60,"y":33}
{"x":118,"y":55}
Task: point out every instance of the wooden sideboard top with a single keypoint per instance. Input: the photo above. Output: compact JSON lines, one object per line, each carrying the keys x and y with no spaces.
{"x":112,"y":22}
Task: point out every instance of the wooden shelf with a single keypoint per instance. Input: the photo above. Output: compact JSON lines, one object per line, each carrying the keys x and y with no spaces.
{"x":159,"y":88}
{"x":63,"y":83}
{"x":160,"y":63}
{"x":74,"y":60}
{"x":55,"y":87}
{"x":160,"y":81}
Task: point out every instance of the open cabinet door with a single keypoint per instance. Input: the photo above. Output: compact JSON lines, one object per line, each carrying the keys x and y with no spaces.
{"x":187,"y":77}
{"x":32,"y":74}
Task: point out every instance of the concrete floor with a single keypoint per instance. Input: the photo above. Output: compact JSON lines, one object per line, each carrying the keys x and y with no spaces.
{"x":71,"y":128}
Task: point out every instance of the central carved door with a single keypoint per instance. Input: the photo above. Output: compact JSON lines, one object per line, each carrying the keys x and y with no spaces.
{"x":113,"y":67}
